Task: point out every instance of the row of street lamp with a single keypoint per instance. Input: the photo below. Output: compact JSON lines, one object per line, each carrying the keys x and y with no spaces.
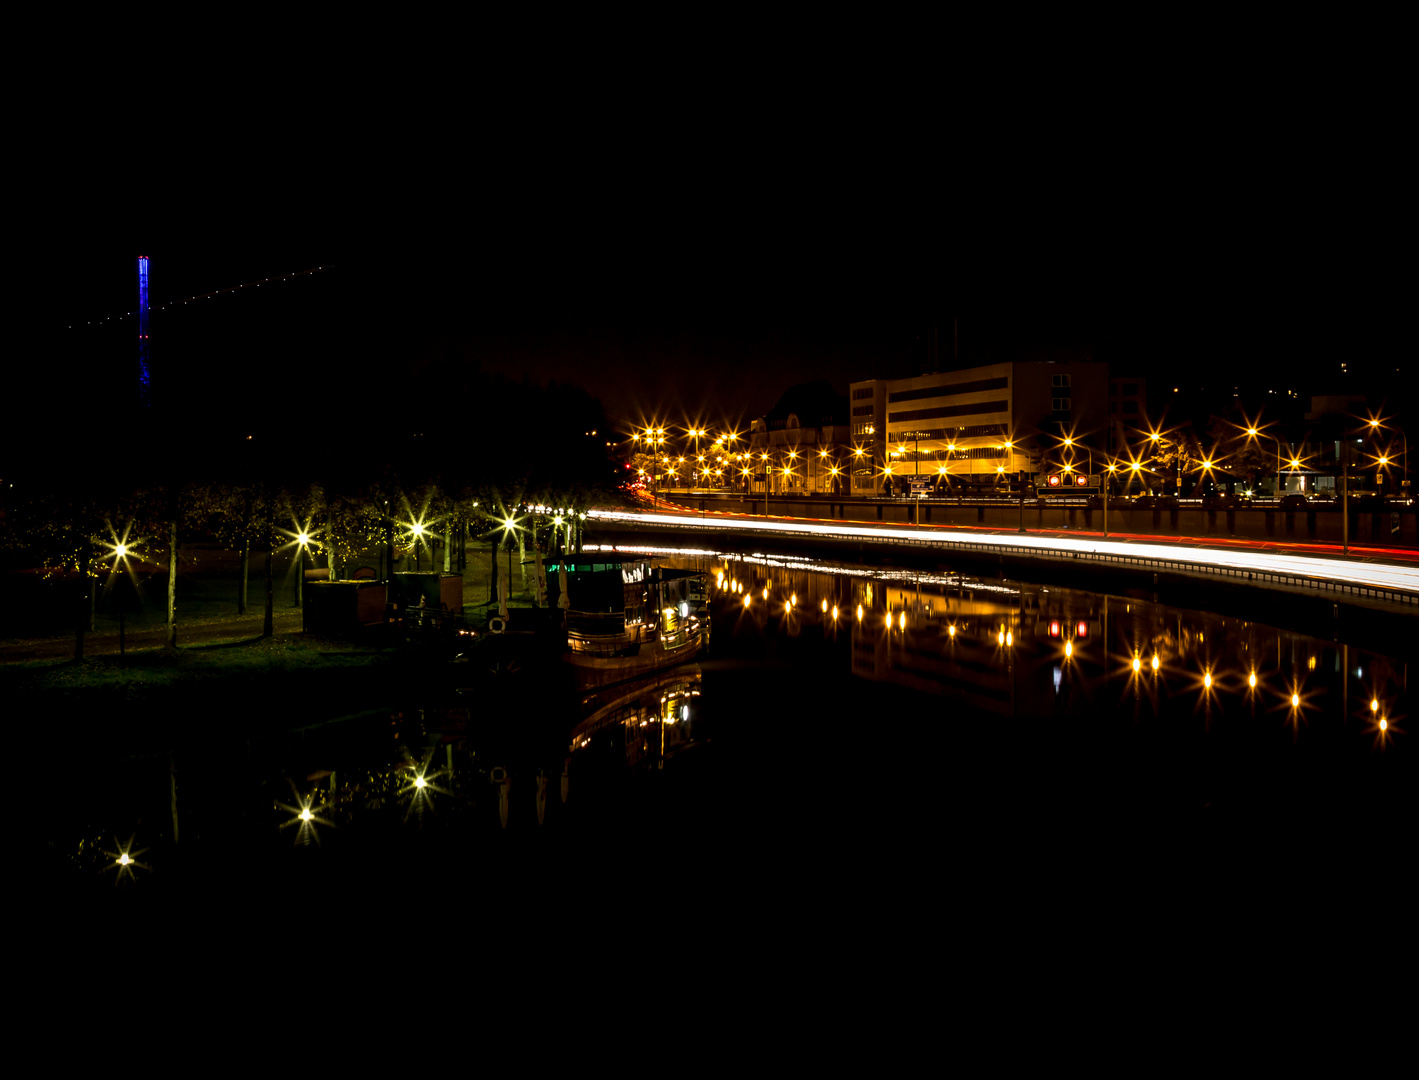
{"x":729,"y":461}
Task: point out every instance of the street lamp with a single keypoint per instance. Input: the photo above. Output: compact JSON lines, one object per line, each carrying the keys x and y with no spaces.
{"x":1108,"y":491}
{"x":1254,"y":432}
{"x":302,"y":541}
{"x":1376,"y":424}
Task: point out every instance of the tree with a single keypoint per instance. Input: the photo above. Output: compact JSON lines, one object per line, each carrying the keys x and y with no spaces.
{"x":166,"y":512}
{"x":1240,"y":455}
{"x":68,"y":529}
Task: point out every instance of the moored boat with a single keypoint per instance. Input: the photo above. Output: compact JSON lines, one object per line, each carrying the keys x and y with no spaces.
{"x":626,"y":616}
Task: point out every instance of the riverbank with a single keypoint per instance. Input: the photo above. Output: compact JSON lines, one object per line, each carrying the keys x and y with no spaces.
{"x":1340,"y":616}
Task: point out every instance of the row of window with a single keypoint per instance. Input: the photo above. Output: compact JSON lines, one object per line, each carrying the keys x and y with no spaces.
{"x":1060,"y":404}
{"x":969,"y":431}
{"x":950,"y":389}
{"x":965,"y":453}
{"x":942,"y":411}
{"x":978,"y":453}
{"x":862,"y":392}
{"x":862,"y":410}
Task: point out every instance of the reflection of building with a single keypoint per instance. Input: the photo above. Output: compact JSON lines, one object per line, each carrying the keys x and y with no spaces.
{"x":994,"y":648}
{"x":962,"y":420}
{"x":806,"y":433}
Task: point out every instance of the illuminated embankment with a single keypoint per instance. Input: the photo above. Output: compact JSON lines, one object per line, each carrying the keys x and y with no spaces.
{"x":1380,"y":580}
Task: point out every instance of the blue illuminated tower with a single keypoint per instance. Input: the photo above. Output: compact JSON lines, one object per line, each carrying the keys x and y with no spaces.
{"x":144,"y":375}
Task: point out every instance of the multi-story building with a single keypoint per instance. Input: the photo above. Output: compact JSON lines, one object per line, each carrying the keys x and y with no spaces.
{"x":984,"y":421}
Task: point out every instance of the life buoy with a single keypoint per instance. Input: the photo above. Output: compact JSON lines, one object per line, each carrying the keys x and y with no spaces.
{"x":496,"y":625}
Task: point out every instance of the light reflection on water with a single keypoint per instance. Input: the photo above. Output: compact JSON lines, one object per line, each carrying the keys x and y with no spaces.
{"x":958,"y":652}
{"x":1017,"y":649}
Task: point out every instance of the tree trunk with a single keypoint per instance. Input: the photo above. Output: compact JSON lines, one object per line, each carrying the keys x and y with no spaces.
{"x":93,"y":602}
{"x":80,"y":622}
{"x":267,"y":628}
{"x":493,"y":572}
{"x":448,"y":551}
{"x":332,"y":560}
{"x":171,"y":642}
{"x":245,"y":575}
{"x":522,"y":555}
{"x":172,"y":793}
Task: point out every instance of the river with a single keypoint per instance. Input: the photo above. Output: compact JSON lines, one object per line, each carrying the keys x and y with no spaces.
{"x":840,"y":707}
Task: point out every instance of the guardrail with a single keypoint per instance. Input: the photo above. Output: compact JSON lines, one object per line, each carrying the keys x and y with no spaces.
{"x":1360,"y":502}
{"x":1141,"y":562}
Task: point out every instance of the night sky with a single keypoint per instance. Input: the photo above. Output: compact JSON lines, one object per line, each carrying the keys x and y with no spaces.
{"x":690,"y":294}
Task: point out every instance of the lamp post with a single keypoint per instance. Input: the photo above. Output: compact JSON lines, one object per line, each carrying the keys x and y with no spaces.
{"x":1155,"y":437}
{"x":1255,"y":432}
{"x":768,"y":467}
{"x":1375,"y":426}
{"x":1089,"y":452}
{"x":301,"y":541}
{"x":1345,"y":499}
{"x":1108,"y":486}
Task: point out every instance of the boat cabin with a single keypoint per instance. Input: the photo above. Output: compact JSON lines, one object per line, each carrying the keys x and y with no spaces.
{"x":617,"y":601}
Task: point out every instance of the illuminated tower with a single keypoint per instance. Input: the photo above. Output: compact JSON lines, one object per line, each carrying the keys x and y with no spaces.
{"x":144,"y":375}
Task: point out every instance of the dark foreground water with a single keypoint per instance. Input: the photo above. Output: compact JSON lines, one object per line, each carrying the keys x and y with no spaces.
{"x":848,"y":724}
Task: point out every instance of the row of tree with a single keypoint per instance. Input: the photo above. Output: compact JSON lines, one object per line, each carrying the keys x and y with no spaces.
{"x":86,"y":535}
{"x":256,"y":492}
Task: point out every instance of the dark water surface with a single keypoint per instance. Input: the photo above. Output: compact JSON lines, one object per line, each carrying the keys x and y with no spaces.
{"x":934,"y":719}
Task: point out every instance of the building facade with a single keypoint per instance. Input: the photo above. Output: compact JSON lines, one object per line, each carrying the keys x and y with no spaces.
{"x":801,"y":446}
{"x":978,"y":423}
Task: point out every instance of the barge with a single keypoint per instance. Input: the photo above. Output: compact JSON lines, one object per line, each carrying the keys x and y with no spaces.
{"x":626,"y":616}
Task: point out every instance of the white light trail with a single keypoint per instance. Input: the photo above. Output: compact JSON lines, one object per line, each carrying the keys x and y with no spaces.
{"x":1347,"y":571}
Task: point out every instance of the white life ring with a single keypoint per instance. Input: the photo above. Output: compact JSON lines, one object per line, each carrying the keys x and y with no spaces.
{"x":496,"y":625}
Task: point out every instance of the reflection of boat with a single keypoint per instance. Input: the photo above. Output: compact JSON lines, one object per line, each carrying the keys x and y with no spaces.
{"x":648,"y":718}
{"x":626,"y":616}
